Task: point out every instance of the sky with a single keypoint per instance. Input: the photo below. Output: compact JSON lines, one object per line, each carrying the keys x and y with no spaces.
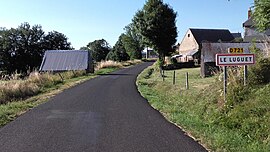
{"x":84,"y":21}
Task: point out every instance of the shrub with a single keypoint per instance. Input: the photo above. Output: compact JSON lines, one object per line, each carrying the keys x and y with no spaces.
{"x":236,"y":94}
{"x":173,"y":60}
{"x":149,"y":73}
{"x":117,"y":56}
{"x":260,"y":72}
{"x":135,"y":55}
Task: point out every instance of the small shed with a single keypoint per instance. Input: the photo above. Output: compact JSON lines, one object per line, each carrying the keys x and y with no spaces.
{"x":67,"y":60}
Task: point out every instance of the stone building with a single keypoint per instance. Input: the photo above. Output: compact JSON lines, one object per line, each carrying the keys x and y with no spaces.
{"x":190,"y":47}
{"x":251,"y":34}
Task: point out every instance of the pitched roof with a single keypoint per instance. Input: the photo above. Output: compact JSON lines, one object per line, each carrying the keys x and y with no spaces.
{"x":63,"y":60}
{"x":248,"y":23}
{"x":267,"y":32}
{"x":212,"y":35}
{"x":236,"y":35}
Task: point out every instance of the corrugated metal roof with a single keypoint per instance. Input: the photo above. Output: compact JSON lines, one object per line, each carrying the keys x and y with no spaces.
{"x":64,"y":60}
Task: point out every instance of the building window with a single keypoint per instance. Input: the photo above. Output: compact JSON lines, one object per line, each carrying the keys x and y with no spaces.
{"x":188,"y":35}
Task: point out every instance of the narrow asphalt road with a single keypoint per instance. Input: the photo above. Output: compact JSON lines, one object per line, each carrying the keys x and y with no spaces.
{"x":105,"y":114}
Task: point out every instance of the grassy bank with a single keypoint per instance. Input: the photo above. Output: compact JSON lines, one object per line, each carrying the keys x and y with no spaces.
{"x":202,"y":112}
{"x":19,"y":95}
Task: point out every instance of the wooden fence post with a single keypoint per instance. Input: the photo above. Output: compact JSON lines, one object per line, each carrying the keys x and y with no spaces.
{"x":187,"y":85}
{"x":173,"y":77}
{"x":163,"y":75}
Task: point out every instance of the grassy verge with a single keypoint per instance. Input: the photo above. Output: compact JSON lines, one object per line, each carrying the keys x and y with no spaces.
{"x":19,"y":96}
{"x":204,"y":115}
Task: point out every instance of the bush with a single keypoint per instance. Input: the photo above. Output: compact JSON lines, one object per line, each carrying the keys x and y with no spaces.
{"x":111,"y":56}
{"x":173,"y":60}
{"x":260,"y":72}
{"x":117,"y":56}
{"x":136,"y":55}
{"x":149,"y":73}
{"x":236,"y":94}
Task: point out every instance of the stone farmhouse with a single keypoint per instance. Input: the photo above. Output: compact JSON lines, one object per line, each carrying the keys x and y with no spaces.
{"x":251,"y":34}
{"x":190,"y":47}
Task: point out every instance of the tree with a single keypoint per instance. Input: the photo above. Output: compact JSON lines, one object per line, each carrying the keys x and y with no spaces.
{"x":156,"y":23}
{"x":21,"y":48}
{"x":84,"y":48}
{"x":132,"y":42}
{"x":262,"y":14}
{"x":99,"y":49}
{"x":56,"y":41}
{"x":118,"y":52}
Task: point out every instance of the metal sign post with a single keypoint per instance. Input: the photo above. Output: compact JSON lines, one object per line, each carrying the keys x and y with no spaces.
{"x":238,"y":51}
{"x":225,"y":81}
{"x":245,"y":75}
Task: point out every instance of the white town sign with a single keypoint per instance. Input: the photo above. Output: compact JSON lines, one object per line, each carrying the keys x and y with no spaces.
{"x":234,"y":59}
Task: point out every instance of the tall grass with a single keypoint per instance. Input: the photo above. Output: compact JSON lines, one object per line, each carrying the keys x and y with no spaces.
{"x":108,"y":64}
{"x":15,"y":87}
{"x":115,"y":64}
{"x":18,"y":95}
{"x":20,"y":88}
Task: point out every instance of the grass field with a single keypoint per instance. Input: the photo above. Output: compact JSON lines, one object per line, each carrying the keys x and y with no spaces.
{"x":203,"y":114}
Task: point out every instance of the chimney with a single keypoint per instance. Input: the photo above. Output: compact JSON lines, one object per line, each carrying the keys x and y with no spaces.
{"x":249,"y":13}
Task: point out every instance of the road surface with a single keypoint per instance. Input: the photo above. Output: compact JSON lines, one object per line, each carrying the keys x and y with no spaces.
{"x":105,"y":114}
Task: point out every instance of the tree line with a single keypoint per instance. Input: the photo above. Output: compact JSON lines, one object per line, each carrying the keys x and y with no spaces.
{"x":128,"y":46}
{"x":22,"y":48}
{"x":154,"y":26}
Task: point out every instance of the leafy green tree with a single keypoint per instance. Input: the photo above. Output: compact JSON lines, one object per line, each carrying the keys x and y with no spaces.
{"x":84,"y":48}
{"x":262,"y":14}
{"x":21,"y":48}
{"x":56,"y":41}
{"x":118,"y":52}
{"x":156,"y":23}
{"x":132,"y":42}
{"x":111,"y":56}
{"x":99,"y":49}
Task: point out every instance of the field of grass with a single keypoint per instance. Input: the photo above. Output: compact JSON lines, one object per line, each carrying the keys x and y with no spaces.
{"x":17,"y":96}
{"x":203,"y":114}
